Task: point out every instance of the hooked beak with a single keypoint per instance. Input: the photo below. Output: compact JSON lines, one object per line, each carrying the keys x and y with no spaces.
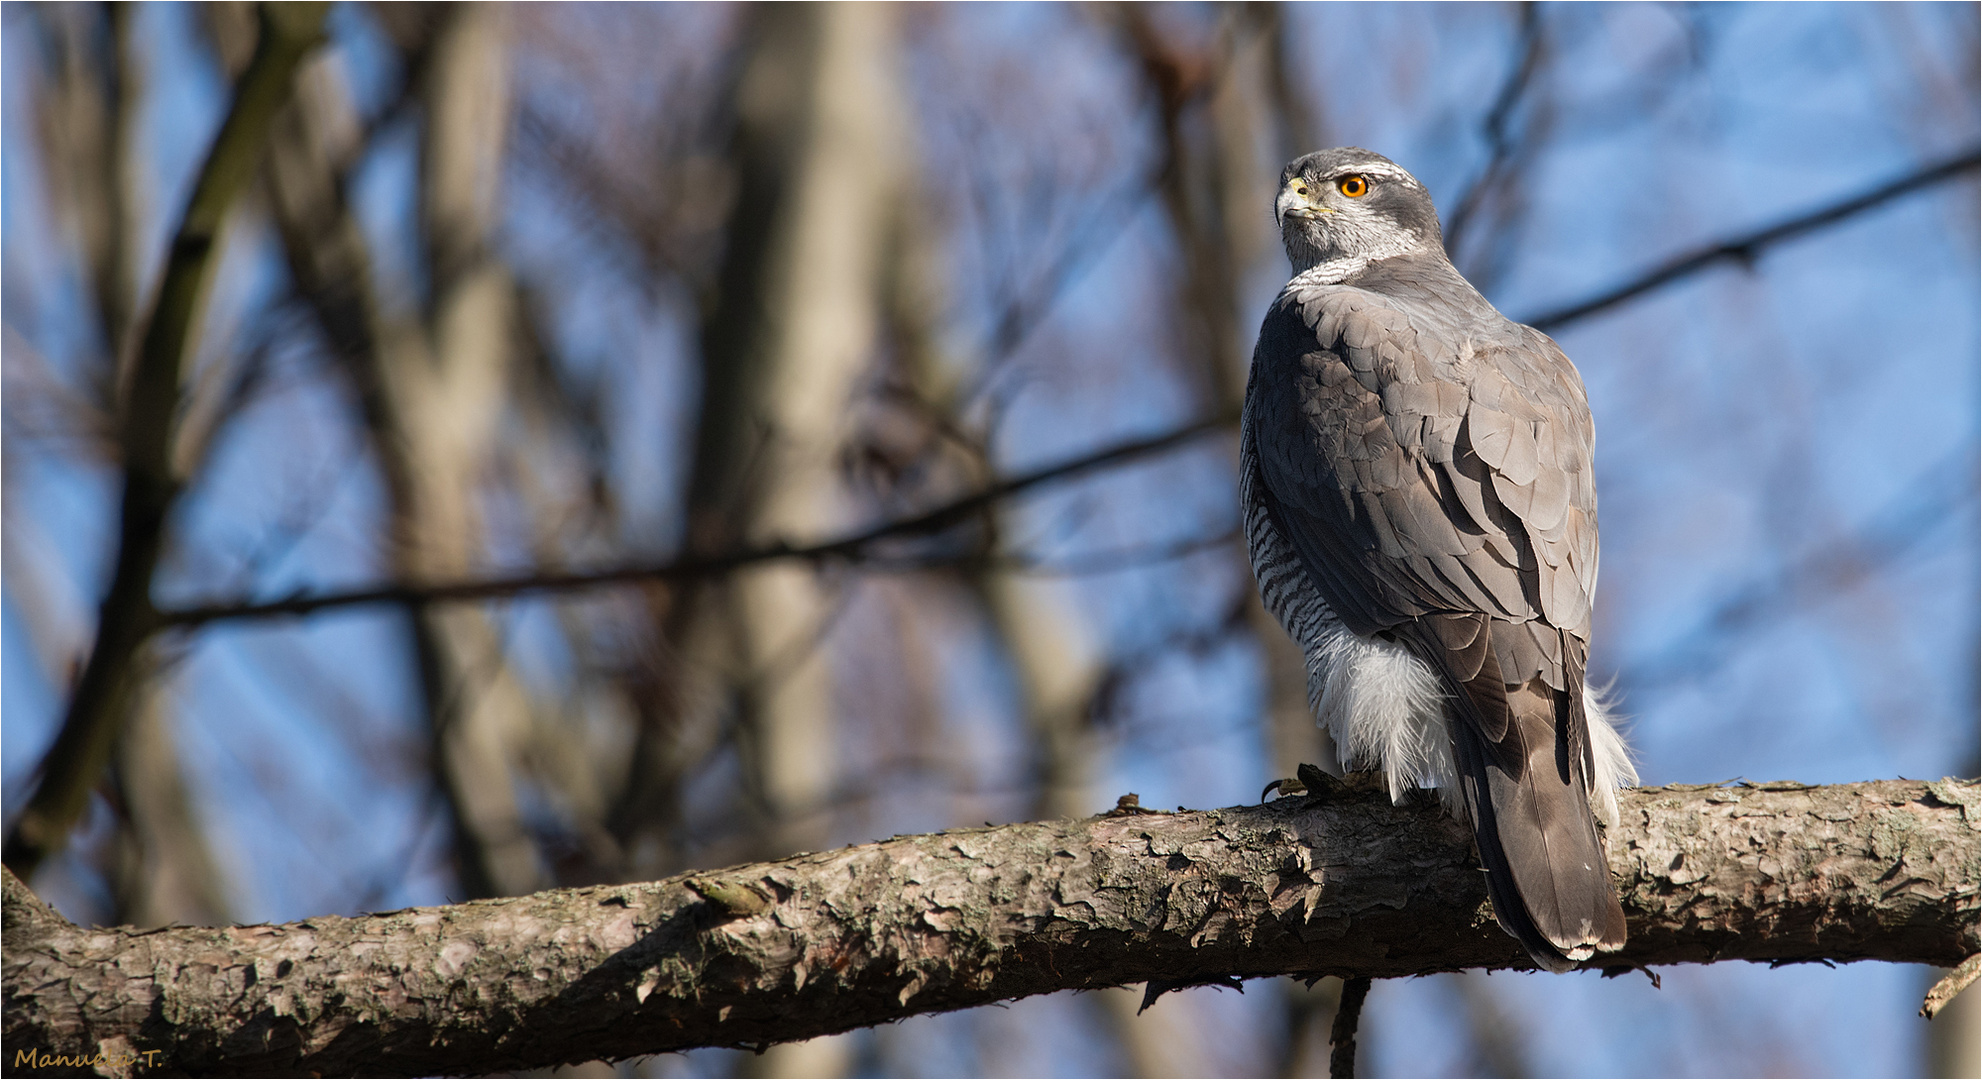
{"x":1291,"y":205}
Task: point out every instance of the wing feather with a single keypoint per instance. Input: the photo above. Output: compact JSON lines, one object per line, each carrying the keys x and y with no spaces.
{"x":1436,"y":471}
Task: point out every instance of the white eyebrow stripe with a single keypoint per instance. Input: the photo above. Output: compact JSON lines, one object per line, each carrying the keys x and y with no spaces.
{"x":1384,"y":171}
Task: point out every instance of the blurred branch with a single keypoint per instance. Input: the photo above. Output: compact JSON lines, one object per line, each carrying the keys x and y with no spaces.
{"x":1939,"y":494}
{"x":1501,"y":147}
{"x":1747,"y":248}
{"x":849,"y":547}
{"x":753,"y":955}
{"x":85,"y":116}
{"x":126,"y":619}
{"x":1298,"y":109}
{"x":1342,"y":1058}
{"x":1112,"y":560}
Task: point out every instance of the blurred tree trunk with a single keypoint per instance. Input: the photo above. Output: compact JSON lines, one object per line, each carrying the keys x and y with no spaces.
{"x":159,"y":868}
{"x":431,"y":384}
{"x":84,"y":124}
{"x":1307,"y":1014}
{"x":1060,"y":662}
{"x":158,"y":864}
{"x":162,"y":872}
{"x":446,"y":382}
{"x":792,"y":330}
{"x":1499,"y":1047}
{"x":1056,"y":656}
{"x":818,"y":149}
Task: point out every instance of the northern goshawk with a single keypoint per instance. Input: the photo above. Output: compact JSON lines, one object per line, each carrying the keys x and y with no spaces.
{"x":1421,"y":510}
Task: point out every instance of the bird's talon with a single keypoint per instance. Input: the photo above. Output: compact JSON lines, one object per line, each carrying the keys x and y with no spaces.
{"x":1309,"y":780}
{"x":1284,"y":787}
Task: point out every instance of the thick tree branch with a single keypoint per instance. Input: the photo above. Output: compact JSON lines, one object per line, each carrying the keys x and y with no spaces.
{"x":1343,"y":883}
{"x":126,"y":619}
{"x":1747,"y":248}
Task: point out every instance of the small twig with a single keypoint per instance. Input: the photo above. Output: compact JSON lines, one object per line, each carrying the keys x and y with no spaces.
{"x":1942,"y":493}
{"x":1500,"y":145}
{"x":1961,"y":978}
{"x":847,"y":547}
{"x":1342,"y":1058}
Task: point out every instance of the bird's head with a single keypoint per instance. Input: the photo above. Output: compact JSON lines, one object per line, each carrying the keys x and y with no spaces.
{"x":1350,"y":207}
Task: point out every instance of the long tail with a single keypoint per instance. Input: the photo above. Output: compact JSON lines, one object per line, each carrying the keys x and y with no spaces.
{"x":1524,"y":760}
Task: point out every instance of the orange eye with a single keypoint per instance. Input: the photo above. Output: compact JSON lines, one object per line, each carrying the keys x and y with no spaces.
{"x":1354,"y":187}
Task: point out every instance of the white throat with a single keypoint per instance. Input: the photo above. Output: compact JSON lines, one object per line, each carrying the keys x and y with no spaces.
{"x":1371,"y":246}
{"x":1337,"y":270}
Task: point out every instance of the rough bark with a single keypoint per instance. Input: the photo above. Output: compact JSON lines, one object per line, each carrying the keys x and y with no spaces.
{"x":1343,"y":883}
